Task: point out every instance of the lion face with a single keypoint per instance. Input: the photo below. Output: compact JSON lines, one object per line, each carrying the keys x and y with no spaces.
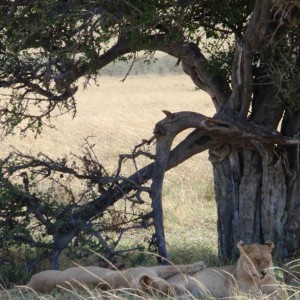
{"x":256,"y":259}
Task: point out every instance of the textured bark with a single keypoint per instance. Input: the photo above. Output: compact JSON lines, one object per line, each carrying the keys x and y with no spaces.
{"x":249,"y":183}
{"x":260,"y":186}
{"x":251,"y":195}
{"x":248,"y":225}
{"x":291,"y":126}
{"x":162,"y":152}
{"x":257,"y":192}
{"x":256,"y":184}
{"x":225,"y":191}
{"x":54,"y":260}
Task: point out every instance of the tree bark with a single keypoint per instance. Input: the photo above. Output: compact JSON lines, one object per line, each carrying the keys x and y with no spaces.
{"x":249,"y":183}
{"x":291,"y":127}
{"x":163,"y":147}
{"x":225,"y":194}
{"x":251,"y":196}
{"x":257,"y":190}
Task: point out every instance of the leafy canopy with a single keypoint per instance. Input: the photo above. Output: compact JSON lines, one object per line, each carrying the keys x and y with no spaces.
{"x":46,"y":46}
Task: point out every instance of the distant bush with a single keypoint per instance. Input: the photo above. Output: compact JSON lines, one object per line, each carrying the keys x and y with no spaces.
{"x":164,"y":65}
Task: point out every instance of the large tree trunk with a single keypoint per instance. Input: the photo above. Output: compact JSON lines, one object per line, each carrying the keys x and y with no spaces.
{"x":257,"y":177}
{"x":251,"y":184}
{"x":251,"y":196}
{"x":257,"y":192}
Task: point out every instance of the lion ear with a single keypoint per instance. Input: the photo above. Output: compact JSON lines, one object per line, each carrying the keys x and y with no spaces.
{"x":270,"y":244}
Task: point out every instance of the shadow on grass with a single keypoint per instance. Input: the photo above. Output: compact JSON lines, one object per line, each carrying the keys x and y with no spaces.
{"x":191,"y":253}
{"x":177,"y":254}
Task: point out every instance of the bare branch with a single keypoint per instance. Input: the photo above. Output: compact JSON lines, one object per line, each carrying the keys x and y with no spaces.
{"x":197,"y":67}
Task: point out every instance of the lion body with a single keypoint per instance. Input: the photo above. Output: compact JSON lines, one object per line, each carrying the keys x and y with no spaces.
{"x":252,"y":275}
{"x":45,"y":281}
{"x":212,"y":281}
{"x":135,"y":278}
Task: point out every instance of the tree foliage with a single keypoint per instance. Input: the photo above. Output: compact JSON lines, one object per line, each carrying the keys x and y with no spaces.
{"x":46,"y":46}
{"x":244,"y":54}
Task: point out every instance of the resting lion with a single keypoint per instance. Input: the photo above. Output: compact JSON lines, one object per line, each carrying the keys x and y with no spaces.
{"x":252,"y":275}
{"x":139,"y":278}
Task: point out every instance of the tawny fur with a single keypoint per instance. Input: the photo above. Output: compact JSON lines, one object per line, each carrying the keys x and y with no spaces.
{"x":252,"y":275}
{"x":138,"y":278}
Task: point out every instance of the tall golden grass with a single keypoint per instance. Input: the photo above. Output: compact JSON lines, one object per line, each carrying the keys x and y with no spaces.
{"x":119,"y":115}
{"x":289,"y":291}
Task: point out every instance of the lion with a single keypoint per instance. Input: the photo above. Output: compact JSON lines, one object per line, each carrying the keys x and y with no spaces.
{"x":252,"y":275}
{"x":138,"y":278}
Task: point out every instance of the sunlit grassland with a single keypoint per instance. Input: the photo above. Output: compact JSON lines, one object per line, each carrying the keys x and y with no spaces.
{"x":118,"y":115}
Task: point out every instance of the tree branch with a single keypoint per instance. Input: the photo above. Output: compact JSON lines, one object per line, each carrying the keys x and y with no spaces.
{"x":253,"y":40}
{"x":197,"y":67}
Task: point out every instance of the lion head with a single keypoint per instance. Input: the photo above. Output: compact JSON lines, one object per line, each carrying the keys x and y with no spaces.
{"x":256,"y":259}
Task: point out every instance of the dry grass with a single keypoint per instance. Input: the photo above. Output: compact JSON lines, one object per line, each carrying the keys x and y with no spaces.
{"x":119,"y":115}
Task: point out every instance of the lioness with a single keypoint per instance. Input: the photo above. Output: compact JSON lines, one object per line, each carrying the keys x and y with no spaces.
{"x":252,"y":275}
{"x":139,"y":278}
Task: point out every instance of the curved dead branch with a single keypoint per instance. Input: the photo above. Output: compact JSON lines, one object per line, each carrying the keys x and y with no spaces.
{"x":217,"y":131}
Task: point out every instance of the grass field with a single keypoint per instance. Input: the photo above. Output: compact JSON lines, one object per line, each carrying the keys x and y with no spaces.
{"x":118,"y":116}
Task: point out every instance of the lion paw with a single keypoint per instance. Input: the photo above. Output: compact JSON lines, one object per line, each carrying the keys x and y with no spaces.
{"x":197,"y":266}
